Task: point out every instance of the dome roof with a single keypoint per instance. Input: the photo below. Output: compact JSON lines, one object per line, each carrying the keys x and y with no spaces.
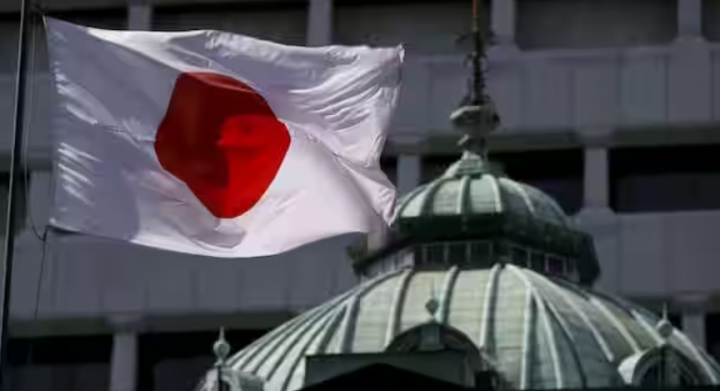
{"x":471,"y":186}
{"x":474,"y":202}
{"x":535,"y":331}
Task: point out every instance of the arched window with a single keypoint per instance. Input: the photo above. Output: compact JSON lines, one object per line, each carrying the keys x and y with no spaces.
{"x":435,"y":337}
{"x":669,"y":374}
{"x":662,"y":367}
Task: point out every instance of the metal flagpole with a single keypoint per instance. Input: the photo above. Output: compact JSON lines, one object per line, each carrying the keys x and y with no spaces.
{"x":16,"y":175}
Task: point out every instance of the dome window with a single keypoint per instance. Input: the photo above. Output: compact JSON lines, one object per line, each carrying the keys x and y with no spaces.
{"x":555,"y":266}
{"x":663,"y":366}
{"x":458,"y":253}
{"x":480,"y":251}
{"x":537,"y":262}
{"x":520,"y":256}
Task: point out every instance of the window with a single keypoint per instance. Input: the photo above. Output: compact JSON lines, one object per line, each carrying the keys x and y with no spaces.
{"x":20,"y":203}
{"x":501,"y":251}
{"x":389,"y":166}
{"x":457,"y":253}
{"x":572,"y":271}
{"x":76,"y":363}
{"x":480,"y":252}
{"x":435,"y":253}
{"x":555,"y":266}
{"x":712,"y":334}
{"x":711,"y":16}
{"x":537,"y":262}
{"x":8,"y":42}
{"x":280,"y":22}
{"x":550,"y":24}
{"x":519,"y":256}
{"x":424,"y":27}
{"x":670,"y":370}
{"x":675,"y":320}
{"x":110,"y":18}
{"x":176,"y":361}
{"x":664,"y":179}
{"x":105,"y":18}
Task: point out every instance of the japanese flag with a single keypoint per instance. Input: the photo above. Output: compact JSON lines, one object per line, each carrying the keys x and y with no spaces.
{"x":218,"y":144}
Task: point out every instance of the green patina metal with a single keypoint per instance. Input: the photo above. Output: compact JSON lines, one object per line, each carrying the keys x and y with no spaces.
{"x":474,"y":200}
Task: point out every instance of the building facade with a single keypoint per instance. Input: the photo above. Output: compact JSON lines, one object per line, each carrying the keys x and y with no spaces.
{"x":609,"y":106}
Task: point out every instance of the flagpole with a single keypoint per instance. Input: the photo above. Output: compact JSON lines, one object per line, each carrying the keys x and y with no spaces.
{"x":16,"y":174}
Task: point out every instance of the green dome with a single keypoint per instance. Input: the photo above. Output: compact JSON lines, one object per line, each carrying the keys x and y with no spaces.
{"x":475,"y":204}
{"x":535,"y":332}
{"x":473,"y":187}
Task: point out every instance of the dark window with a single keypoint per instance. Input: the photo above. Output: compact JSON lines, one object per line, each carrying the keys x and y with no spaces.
{"x":571,"y":265}
{"x":436,"y":253}
{"x":520,"y":256}
{"x":675,"y":320}
{"x":457,"y":253}
{"x":712,"y":334}
{"x":389,"y":166}
{"x":555,"y":266}
{"x":537,"y":262}
{"x":284,"y":22}
{"x":663,"y":179}
{"x":60,"y":350}
{"x":178,"y":361}
{"x":9,"y":25}
{"x":711,"y":16}
{"x":480,"y":252}
{"x":78,"y":363}
{"x":501,"y":251}
{"x":653,"y":377}
{"x":20,"y":202}
{"x":422,"y":26}
{"x":547,"y":24}
{"x":559,"y":173}
{"x":111,"y":18}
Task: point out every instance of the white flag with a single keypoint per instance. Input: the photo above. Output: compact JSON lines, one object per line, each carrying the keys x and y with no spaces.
{"x":218,"y":144}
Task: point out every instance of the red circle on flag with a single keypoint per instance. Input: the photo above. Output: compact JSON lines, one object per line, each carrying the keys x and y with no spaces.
{"x":222,"y":139}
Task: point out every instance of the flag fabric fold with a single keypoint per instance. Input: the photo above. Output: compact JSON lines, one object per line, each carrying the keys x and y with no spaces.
{"x":218,"y":144}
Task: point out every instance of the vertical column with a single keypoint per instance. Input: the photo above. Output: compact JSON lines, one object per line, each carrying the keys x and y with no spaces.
{"x":139,"y":15}
{"x":694,"y":327}
{"x":319,"y":24}
{"x":408,"y":173}
{"x":503,"y":22}
{"x":123,"y":363}
{"x":596,"y":217}
{"x":596,"y":179}
{"x":689,"y":14}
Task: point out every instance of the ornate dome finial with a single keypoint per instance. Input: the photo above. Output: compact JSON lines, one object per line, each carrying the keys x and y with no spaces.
{"x":477,"y":116}
{"x":432,"y":305}
{"x":664,"y":327}
{"x":221,"y":348}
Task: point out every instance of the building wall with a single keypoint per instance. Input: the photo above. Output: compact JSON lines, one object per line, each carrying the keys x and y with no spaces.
{"x":578,"y":82}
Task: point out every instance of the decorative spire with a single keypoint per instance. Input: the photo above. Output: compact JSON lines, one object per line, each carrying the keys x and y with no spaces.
{"x":432,"y":306}
{"x":477,"y":116}
{"x":221,"y":348}
{"x":479,"y":37}
{"x":664,"y":327}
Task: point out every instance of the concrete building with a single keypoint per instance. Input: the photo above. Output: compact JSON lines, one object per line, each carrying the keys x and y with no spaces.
{"x":610,"y":106}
